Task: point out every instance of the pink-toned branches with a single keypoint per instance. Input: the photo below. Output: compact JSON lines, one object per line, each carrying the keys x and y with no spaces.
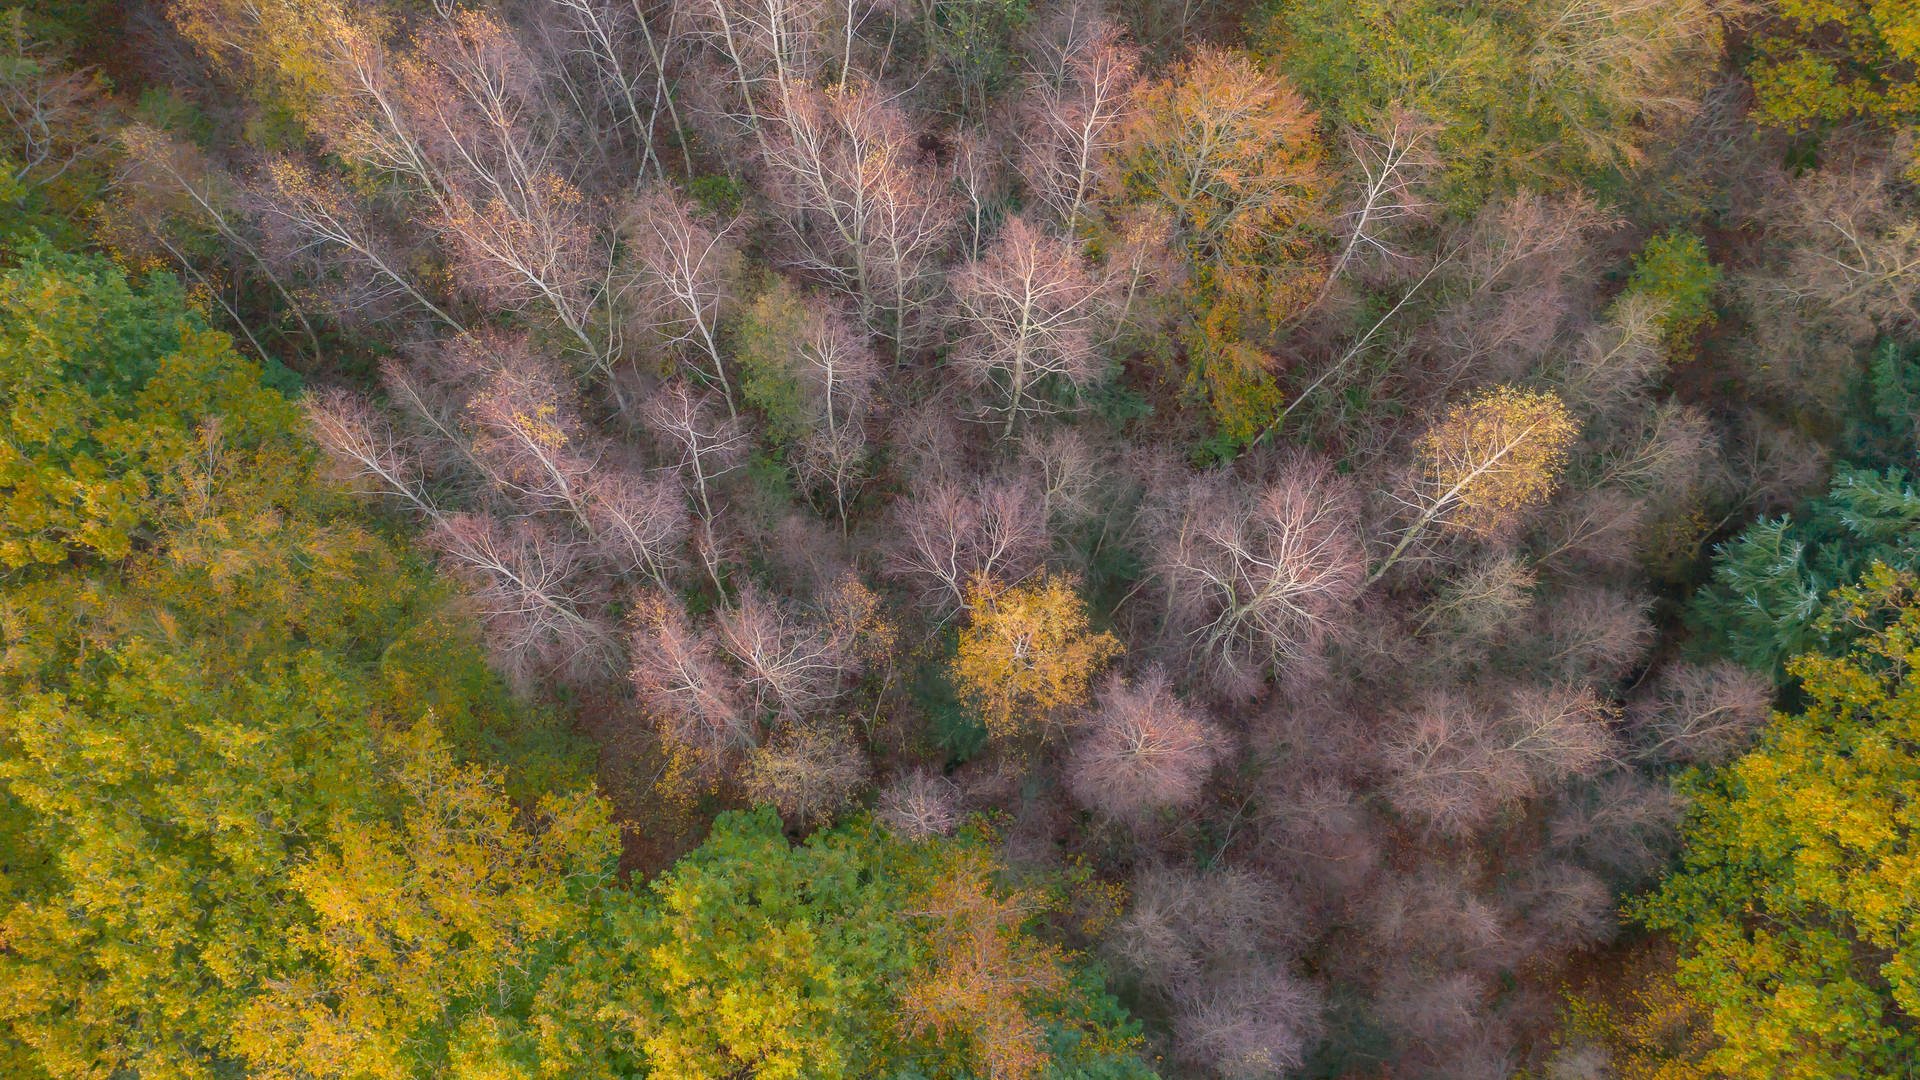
{"x":1258,"y":581}
{"x":865,"y":210}
{"x":481,"y":105}
{"x":1557,"y":733}
{"x":1592,"y":634}
{"x":315,"y":223}
{"x":639,"y":524}
{"x":1144,"y":750}
{"x":527,"y":435}
{"x":1030,"y":307}
{"x":1446,"y":769}
{"x":684,"y":685}
{"x":1073,"y":112}
{"x":365,"y":116}
{"x":1393,"y":161}
{"x":837,"y":371}
{"x":543,"y":251}
{"x":1562,"y":907}
{"x":625,"y":68}
{"x":1623,"y":823}
{"x":537,"y":598}
{"x":363,"y":443}
{"x":684,"y":273}
{"x":705,"y":448}
{"x":767,"y":50}
{"x":1254,"y":1022}
{"x":980,"y":175}
{"x":791,"y":664}
{"x":1704,"y":713}
{"x":478,"y":110}
{"x":1454,"y":762}
{"x":948,"y":534}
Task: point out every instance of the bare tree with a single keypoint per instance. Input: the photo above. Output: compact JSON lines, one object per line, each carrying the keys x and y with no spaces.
{"x":151,"y":160}
{"x":318,"y":226}
{"x":947,"y":534}
{"x":528,"y":437}
{"x":1258,"y":581}
{"x":979,"y":173}
{"x":1145,"y":749}
{"x":476,"y":109}
{"x":1446,"y":768}
{"x":1591,"y":634}
{"x":539,"y":601}
{"x":1506,"y":285}
{"x":684,"y":275}
{"x":1030,"y":307}
{"x":765,"y":51}
{"x":364,"y":444}
{"x":1478,"y":604}
{"x":1069,"y":469}
{"x":837,"y":370}
{"x":706,"y":448}
{"x":1557,"y":733}
{"x":1454,"y":761}
{"x":639,"y":524}
{"x":1183,"y":922}
{"x":684,"y":685}
{"x":1251,"y":1023}
{"x":920,"y":804}
{"x":545,"y":251}
{"x":1434,"y":1013}
{"x":623,"y":69}
{"x":1434,"y":917}
{"x":791,"y":665}
{"x":866,"y":212}
{"x":1622,"y":824}
{"x":1562,"y":907}
{"x":1701,"y":713}
{"x":1393,"y":160}
{"x":1073,"y":111}
{"x":1615,"y":357}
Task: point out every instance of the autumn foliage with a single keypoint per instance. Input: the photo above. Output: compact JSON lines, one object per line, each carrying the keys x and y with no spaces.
{"x":778,"y":539}
{"x":1028,"y":654}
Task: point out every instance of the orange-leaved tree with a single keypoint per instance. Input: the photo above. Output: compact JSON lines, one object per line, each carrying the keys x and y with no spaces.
{"x":986,"y":970}
{"x":1230,"y":154}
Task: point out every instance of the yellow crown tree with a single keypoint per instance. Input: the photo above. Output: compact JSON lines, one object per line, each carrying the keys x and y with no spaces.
{"x":1029,"y":652}
{"x":1485,"y":462}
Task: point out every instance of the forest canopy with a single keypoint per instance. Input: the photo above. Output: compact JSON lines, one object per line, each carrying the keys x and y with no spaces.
{"x":1003,"y":539}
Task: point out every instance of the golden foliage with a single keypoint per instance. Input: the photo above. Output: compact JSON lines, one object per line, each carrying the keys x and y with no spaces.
{"x":1029,"y":651}
{"x":1492,"y":457}
{"x":1648,"y":1027}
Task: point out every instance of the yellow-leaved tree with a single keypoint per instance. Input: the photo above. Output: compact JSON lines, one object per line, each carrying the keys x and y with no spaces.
{"x":1029,"y":652}
{"x":1485,"y":462}
{"x":424,"y":925}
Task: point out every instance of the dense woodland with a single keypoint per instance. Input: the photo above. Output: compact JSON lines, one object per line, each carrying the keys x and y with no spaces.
{"x":959,"y":538}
